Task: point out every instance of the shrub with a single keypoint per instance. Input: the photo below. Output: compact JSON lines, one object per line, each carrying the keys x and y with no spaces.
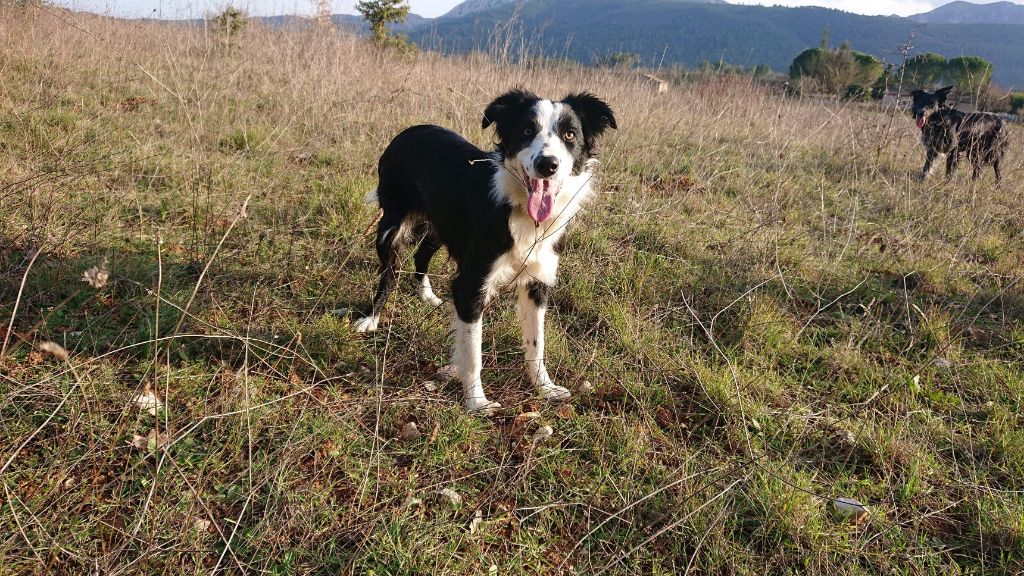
{"x":855,"y":93}
{"x":1017,"y":102}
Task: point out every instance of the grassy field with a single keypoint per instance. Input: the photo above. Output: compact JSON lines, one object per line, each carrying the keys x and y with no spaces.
{"x":762,"y":311}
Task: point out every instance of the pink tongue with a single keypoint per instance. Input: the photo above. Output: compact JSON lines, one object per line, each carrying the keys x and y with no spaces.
{"x":541,"y":198}
{"x":920,"y":123}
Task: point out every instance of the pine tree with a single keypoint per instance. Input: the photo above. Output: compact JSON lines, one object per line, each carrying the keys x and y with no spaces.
{"x":379,"y":13}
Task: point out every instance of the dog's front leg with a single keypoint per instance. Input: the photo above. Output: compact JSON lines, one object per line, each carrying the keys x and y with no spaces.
{"x":927,"y":170}
{"x":533,"y":299}
{"x":952,"y":158}
{"x":468,"y":361}
{"x":467,"y":356}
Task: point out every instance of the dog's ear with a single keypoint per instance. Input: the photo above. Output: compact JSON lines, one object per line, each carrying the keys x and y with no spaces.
{"x":917,"y":94}
{"x":506,"y":106}
{"x":593,"y":112}
{"x":943,"y":93}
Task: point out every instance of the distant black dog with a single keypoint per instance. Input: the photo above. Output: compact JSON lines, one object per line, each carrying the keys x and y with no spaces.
{"x":945,"y":130}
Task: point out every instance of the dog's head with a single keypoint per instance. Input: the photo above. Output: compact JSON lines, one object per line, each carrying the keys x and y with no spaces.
{"x":546,"y":143}
{"x":924,"y":103}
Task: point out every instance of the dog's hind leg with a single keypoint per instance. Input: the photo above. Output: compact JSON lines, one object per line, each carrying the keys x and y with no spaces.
{"x":533,"y":299}
{"x":390,"y":236}
{"x":429,"y":246}
{"x":999,"y":173}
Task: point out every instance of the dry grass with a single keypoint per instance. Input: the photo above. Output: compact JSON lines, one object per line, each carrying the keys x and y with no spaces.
{"x":772,"y":312}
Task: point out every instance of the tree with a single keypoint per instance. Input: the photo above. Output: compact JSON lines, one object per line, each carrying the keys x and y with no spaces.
{"x":230,"y":23}
{"x":323,"y":12}
{"x":379,"y":13}
{"x":881,"y":86}
{"x":834,"y":71}
{"x":925,"y":70}
{"x":620,"y":60}
{"x":1017,"y":102}
{"x":969,"y":73}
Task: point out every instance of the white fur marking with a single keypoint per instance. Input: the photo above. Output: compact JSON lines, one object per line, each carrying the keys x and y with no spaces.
{"x":468,"y":361}
{"x":426,"y":292}
{"x":366,"y":324}
{"x":531,"y":317}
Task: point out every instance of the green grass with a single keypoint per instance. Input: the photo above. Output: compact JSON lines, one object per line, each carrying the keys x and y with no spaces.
{"x":770,"y":310}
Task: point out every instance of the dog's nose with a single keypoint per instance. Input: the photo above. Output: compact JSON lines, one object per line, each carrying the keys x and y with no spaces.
{"x":546,"y":166}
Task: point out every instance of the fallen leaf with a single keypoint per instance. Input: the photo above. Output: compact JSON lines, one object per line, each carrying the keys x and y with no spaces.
{"x":478,"y":519}
{"x":434,"y":432}
{"x":587,"y":387}
{"x":526,"y":417}
{"x":566,"y":411}
{"x":851,"y":509}
{"x":451,"y":496}
{"x":148,"y":401}
{"x":151,"y":442}
{"x":543,"y":433}
{"x":430,"y":386}
{"x":97,"y":276}
{"x":410,"y":432}
{"x":412,"y":502}
{"x":55,"y":349}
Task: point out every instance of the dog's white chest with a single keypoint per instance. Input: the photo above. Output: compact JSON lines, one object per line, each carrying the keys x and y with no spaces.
{"x":532,"y":257}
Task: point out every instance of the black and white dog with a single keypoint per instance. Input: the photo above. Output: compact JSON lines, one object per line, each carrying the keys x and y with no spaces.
{"x":945,"y":130}
{"x":502,"y":216}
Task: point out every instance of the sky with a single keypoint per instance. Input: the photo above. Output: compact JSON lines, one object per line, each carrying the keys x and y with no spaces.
{"x":430,"y":8}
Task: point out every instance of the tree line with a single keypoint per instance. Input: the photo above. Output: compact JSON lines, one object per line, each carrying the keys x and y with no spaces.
{"x":855,"y":75}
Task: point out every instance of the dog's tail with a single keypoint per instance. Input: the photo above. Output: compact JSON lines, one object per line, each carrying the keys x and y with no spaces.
{"x":372,"y":198}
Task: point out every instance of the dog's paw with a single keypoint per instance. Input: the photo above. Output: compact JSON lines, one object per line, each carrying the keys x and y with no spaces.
{"x":366,"y":324}
{"x":554,"y":393}
{"x":426,"y":292}
{"x":431,"y":298}
{"x":481,"y":406}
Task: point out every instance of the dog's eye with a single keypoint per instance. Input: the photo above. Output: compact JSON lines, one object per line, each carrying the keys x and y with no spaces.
{"x":569,"y":136}
{"x":528,"y":131}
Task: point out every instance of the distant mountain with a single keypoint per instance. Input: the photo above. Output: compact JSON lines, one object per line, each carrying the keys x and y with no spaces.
{"x":675,"y":31}
{"x":688,"y":32}
{"x":350,"y":21}
{"x":968,"y":13}
{"x":471,"y":6}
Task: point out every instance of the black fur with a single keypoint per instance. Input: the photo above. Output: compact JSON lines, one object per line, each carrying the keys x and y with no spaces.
{"x":539,"y":292}
{"x":981,"y":137}
{"x":431,"y":174}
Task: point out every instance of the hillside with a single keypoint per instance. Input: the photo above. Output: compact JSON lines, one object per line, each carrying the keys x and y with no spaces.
{"x":761,"y":312}
{"x":472,"y":6}
{"x":961,"y":12}
{"x":668,"y":31}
